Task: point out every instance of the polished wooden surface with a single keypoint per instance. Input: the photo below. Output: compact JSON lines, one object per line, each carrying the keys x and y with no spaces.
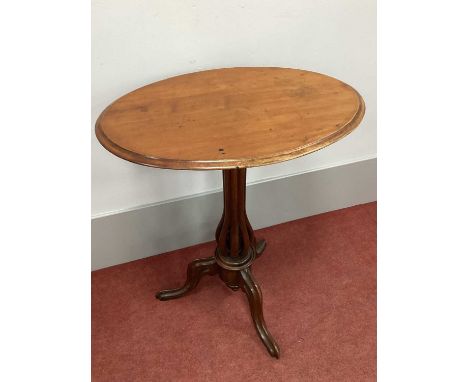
{"x":228,"y":118}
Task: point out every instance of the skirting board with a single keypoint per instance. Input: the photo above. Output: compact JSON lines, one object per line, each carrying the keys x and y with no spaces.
{"x":160,"y":228}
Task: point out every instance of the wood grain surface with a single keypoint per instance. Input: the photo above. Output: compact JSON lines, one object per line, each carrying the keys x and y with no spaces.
{"x":228,"y":118}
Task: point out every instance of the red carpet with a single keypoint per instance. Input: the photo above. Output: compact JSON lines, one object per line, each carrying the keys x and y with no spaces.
{"x":318,"y":277}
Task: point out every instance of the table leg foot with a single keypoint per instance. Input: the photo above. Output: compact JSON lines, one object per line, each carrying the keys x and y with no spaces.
{"x":254,"y":295}
{"x":195,"y":270}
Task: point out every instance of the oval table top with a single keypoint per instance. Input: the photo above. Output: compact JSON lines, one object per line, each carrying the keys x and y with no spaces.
{"x":228,"y":118}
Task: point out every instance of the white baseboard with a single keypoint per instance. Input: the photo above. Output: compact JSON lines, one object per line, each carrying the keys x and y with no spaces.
{"x":155,"y":229}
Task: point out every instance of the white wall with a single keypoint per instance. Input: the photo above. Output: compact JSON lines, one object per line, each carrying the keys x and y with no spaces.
{"x":136,"y":42}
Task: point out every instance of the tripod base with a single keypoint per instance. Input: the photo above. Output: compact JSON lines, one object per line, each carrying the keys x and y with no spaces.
{"x":236,"y":249}
{"x":208,"y":266}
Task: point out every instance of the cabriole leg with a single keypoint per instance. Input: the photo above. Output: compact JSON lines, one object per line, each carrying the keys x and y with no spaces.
{"x":195,"y":270}
{"x":254,"y":295}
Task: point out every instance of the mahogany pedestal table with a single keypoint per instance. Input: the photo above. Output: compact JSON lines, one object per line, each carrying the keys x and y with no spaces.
{"x":230,"y":119}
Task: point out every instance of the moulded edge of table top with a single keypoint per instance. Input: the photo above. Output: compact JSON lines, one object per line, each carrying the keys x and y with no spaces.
{"x":225,"y":164}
